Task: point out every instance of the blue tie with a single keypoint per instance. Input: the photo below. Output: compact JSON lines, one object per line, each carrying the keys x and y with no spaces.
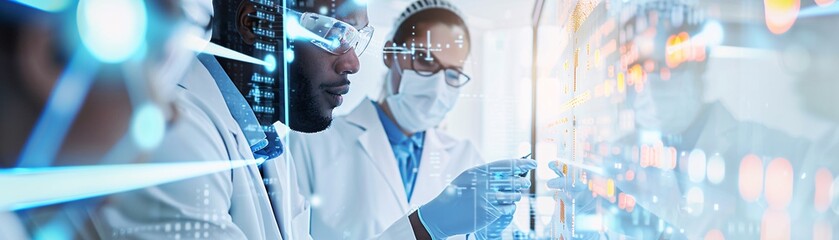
{"x":406,"y":162}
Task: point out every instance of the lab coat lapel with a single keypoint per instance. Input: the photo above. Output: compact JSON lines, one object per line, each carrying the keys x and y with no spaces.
{"x":288,"y":205}
{"x":375,"y":144}
{"x":430,"y":168}
{"x":265,"y":210}
{"x":252,"y":200}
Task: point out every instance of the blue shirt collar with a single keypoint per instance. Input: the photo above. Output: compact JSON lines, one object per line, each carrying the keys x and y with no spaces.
{"x":394,"y":135}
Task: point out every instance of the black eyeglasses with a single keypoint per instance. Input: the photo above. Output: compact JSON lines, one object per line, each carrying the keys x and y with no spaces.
{"x":454,"y":75}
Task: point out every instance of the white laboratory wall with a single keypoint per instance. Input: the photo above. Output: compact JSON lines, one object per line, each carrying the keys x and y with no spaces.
{"x":493,"y":111}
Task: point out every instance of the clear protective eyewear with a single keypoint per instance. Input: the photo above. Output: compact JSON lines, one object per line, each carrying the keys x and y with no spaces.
{"x":336,"y":36}
{"x":427,"y":66}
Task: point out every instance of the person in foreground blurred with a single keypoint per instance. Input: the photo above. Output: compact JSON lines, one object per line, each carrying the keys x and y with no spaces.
{"x":70,"y":103}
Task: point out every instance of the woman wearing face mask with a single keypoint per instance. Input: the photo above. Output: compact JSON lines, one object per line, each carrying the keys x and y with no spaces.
{"x":399,"y":160}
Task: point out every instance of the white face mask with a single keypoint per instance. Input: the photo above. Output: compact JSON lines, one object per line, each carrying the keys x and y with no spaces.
{"x":669,"y":107}
{"x":422,"y":102}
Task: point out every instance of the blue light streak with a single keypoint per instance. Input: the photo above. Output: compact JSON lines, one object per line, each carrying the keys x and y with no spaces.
{"x":25,"y":188}
{"x":200,"y":45}
{"x":47,"y":6}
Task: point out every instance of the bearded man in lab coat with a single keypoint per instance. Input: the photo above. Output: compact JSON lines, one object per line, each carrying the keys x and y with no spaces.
{"x":262,"y":200}
{"x":386,"y":157}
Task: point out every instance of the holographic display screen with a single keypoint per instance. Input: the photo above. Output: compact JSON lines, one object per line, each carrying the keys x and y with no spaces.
{"x":688,"y":120}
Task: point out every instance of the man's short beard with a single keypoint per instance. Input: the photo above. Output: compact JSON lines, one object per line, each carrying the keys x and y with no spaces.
{"x":305,"y":114}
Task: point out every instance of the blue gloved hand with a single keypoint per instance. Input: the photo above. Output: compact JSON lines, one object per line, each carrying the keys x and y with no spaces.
{"x":563,"y":184}
{"x":476,"y":198}
{"x":494,"y":230}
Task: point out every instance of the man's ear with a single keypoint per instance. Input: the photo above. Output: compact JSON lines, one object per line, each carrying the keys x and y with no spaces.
{"x":387,"y":58}
{"x":244,"y":23}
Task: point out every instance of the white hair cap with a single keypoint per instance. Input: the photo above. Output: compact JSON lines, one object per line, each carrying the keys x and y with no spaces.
{"x":421,"y":5}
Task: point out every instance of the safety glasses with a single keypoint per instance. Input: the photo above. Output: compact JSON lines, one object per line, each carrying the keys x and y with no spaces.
{"x":335,"y":36}
{"x":428,"y":66}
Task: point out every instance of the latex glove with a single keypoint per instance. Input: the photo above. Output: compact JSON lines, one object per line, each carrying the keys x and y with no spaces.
{"x":566,"y":186}
{"x":494,"y":230}
{"x":476,"y":198}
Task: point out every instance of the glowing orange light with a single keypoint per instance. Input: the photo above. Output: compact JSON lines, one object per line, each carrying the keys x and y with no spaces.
{"x":781,"y":14}
{"x":630,"y":175}
{"x":636,"y":74}
{"x":657,"y":154}
{"x":714,"y":234}
{"x":677,"y":49}
{"x":775,"y":225}
{"x":645,"y":156}
{"x":778,"y":181}
{"x":824,"y":182}
{"x":622,"y":201}
{"x":561,"y":211}
{"x":621,"y":82}
{"x":751,"y":178}
{"x":630,"y":203}
{"x":610,"y":188}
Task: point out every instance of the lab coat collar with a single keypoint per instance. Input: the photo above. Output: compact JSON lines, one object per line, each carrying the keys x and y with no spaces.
{"x":362,"y":114}
{"x":375,"y":143}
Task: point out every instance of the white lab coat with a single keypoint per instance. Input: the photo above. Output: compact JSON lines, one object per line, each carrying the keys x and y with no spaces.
{"x":238,"y":204}
{"x":351,"y":173}
{"x":11,"y":227}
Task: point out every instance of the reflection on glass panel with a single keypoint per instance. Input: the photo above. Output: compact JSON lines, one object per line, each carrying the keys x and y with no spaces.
{"x":689,"y":120}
